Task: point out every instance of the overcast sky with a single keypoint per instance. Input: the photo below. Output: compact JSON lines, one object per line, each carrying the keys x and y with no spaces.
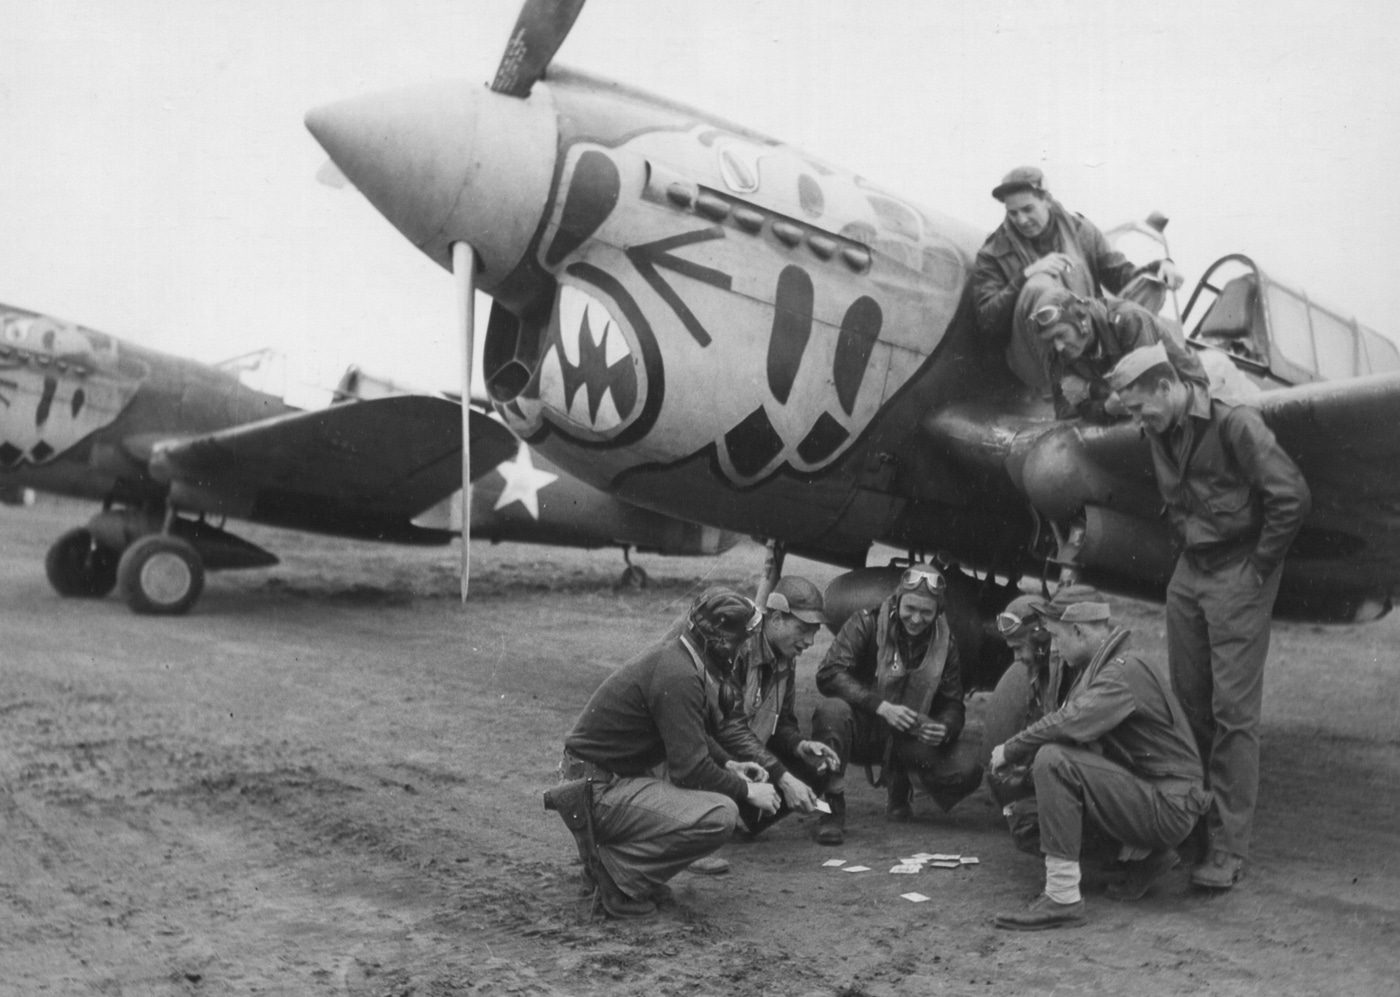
{"x":157,"y":182}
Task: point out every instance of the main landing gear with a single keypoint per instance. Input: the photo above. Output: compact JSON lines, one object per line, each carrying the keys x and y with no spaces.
{"x":80,"y":568}
{"x":161,"y":575}
{"x":155,"y":559}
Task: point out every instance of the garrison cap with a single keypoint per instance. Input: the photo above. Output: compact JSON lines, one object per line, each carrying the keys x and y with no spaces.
{"x":797,"y":597}
{"x":1019,"y":179}
{"x":1076,"y":604}
{"x":1133,"y":365}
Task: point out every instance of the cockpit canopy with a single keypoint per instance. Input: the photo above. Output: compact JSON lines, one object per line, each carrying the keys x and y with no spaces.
{"x":1277,"y":332}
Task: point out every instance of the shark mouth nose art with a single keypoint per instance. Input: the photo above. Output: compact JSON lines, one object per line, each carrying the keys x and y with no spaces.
{"x":590,"y":373}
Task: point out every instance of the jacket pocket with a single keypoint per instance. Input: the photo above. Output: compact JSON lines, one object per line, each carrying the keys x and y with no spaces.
{"x":1227,"y":503}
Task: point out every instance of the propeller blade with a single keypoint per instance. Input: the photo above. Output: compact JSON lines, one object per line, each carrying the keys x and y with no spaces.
{"x":539,"y":31}
{"x":464,"y":272}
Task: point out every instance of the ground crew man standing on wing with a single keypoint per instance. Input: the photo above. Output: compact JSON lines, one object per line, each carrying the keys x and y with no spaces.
{"x":765,"y":680}
{"x":635,"y":830}
{"x":1235,"y":501}
{"x":1085,"y":338}
{"x":893,"y":697}
{"x":1119,"y":752}
{"x":1040,"y":242}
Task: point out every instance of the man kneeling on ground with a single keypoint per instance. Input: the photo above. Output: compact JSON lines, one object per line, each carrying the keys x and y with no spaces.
{"x":765,"y":695}
{"x":1119,"y":750}
{"x":634,"y":830}
{"x":893,"y":689}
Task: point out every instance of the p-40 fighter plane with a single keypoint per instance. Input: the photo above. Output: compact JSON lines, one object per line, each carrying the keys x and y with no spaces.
{"x":165,"y":442}
{"x":712,"y":324}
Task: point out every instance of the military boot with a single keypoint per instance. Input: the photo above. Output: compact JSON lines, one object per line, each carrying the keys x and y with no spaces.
{"x":614,"y":901}
{"x":899,"y":793}
{"x":831,"y":828}
{"x":571,"y":800}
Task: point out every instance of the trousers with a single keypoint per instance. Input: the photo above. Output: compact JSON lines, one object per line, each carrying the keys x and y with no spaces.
{"x":754,"y":819}
{"x":1218,"y":625}
{"x":1073,"y":785}
{"x":647,"y":829}
{"x":948,"y":772}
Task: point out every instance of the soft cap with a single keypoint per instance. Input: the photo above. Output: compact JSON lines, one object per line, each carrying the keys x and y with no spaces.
{"x":1021,"y":178}
{"x":1135,"y":364}
{"x":798,"y":597}
{"x":1076,"y":604}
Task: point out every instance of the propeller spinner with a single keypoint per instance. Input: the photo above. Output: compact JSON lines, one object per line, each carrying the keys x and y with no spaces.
{"x":415,"y":155}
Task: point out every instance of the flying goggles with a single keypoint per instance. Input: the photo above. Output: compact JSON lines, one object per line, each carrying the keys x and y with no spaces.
{"x":920,"y":575}
{"x":1010,"y":623}
{"x":1049,"y":316}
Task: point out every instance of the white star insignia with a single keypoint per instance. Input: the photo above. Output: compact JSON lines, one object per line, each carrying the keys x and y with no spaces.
{"x":523,"y":482}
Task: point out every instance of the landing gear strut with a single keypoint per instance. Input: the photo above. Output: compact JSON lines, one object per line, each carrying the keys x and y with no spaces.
{"x":772,"y":571}
{"x":633,"y":577}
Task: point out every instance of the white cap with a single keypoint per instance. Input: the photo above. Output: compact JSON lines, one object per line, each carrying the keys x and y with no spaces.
{"x":1135,"y":364}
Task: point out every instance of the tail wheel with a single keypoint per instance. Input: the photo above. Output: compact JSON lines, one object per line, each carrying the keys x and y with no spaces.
{"x":161,"y":575}
{"x":80,"y":569}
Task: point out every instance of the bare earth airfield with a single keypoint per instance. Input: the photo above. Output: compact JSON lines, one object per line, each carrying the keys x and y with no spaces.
{"x":327,"y":781}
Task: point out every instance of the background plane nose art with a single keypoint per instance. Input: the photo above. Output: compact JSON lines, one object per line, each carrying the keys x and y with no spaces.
{"x":56,"y":389}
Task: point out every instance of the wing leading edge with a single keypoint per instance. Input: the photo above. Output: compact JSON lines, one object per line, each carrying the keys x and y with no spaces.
{"x":361,"y":469}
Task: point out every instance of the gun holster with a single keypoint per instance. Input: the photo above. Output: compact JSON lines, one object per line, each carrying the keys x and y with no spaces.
{"x":573,"y":801}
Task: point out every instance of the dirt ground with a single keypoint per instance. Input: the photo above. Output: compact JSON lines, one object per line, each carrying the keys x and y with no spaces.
{"x":327,"y":781}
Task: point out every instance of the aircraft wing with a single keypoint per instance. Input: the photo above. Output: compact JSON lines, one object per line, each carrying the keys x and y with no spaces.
{"x":361,"y":468}
{"x":1345,"y":435}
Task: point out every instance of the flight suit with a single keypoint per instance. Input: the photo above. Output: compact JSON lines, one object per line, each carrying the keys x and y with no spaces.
{"x":1119,"y":752}
{"x":871,"y":661}
{"x":1235,"y":501}
{"x":765,"y":690}
{"x":1116,"y":329}
{"x":998,"y":282}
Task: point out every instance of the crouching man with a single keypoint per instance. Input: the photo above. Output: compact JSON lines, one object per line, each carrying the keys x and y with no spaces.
{"x":1118,"y":751}
{"x":765,"y":695}
{"x":893,"y":689}
{"x":634,"y":830}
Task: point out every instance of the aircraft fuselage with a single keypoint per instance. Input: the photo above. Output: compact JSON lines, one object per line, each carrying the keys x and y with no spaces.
{"x":78,"y":408}
{"x":702,"y":320}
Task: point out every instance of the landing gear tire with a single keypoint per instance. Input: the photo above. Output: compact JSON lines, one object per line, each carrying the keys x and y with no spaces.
{"x":633,"y":577}
{"x":78,"y":568}
{"x":161,"y":575}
